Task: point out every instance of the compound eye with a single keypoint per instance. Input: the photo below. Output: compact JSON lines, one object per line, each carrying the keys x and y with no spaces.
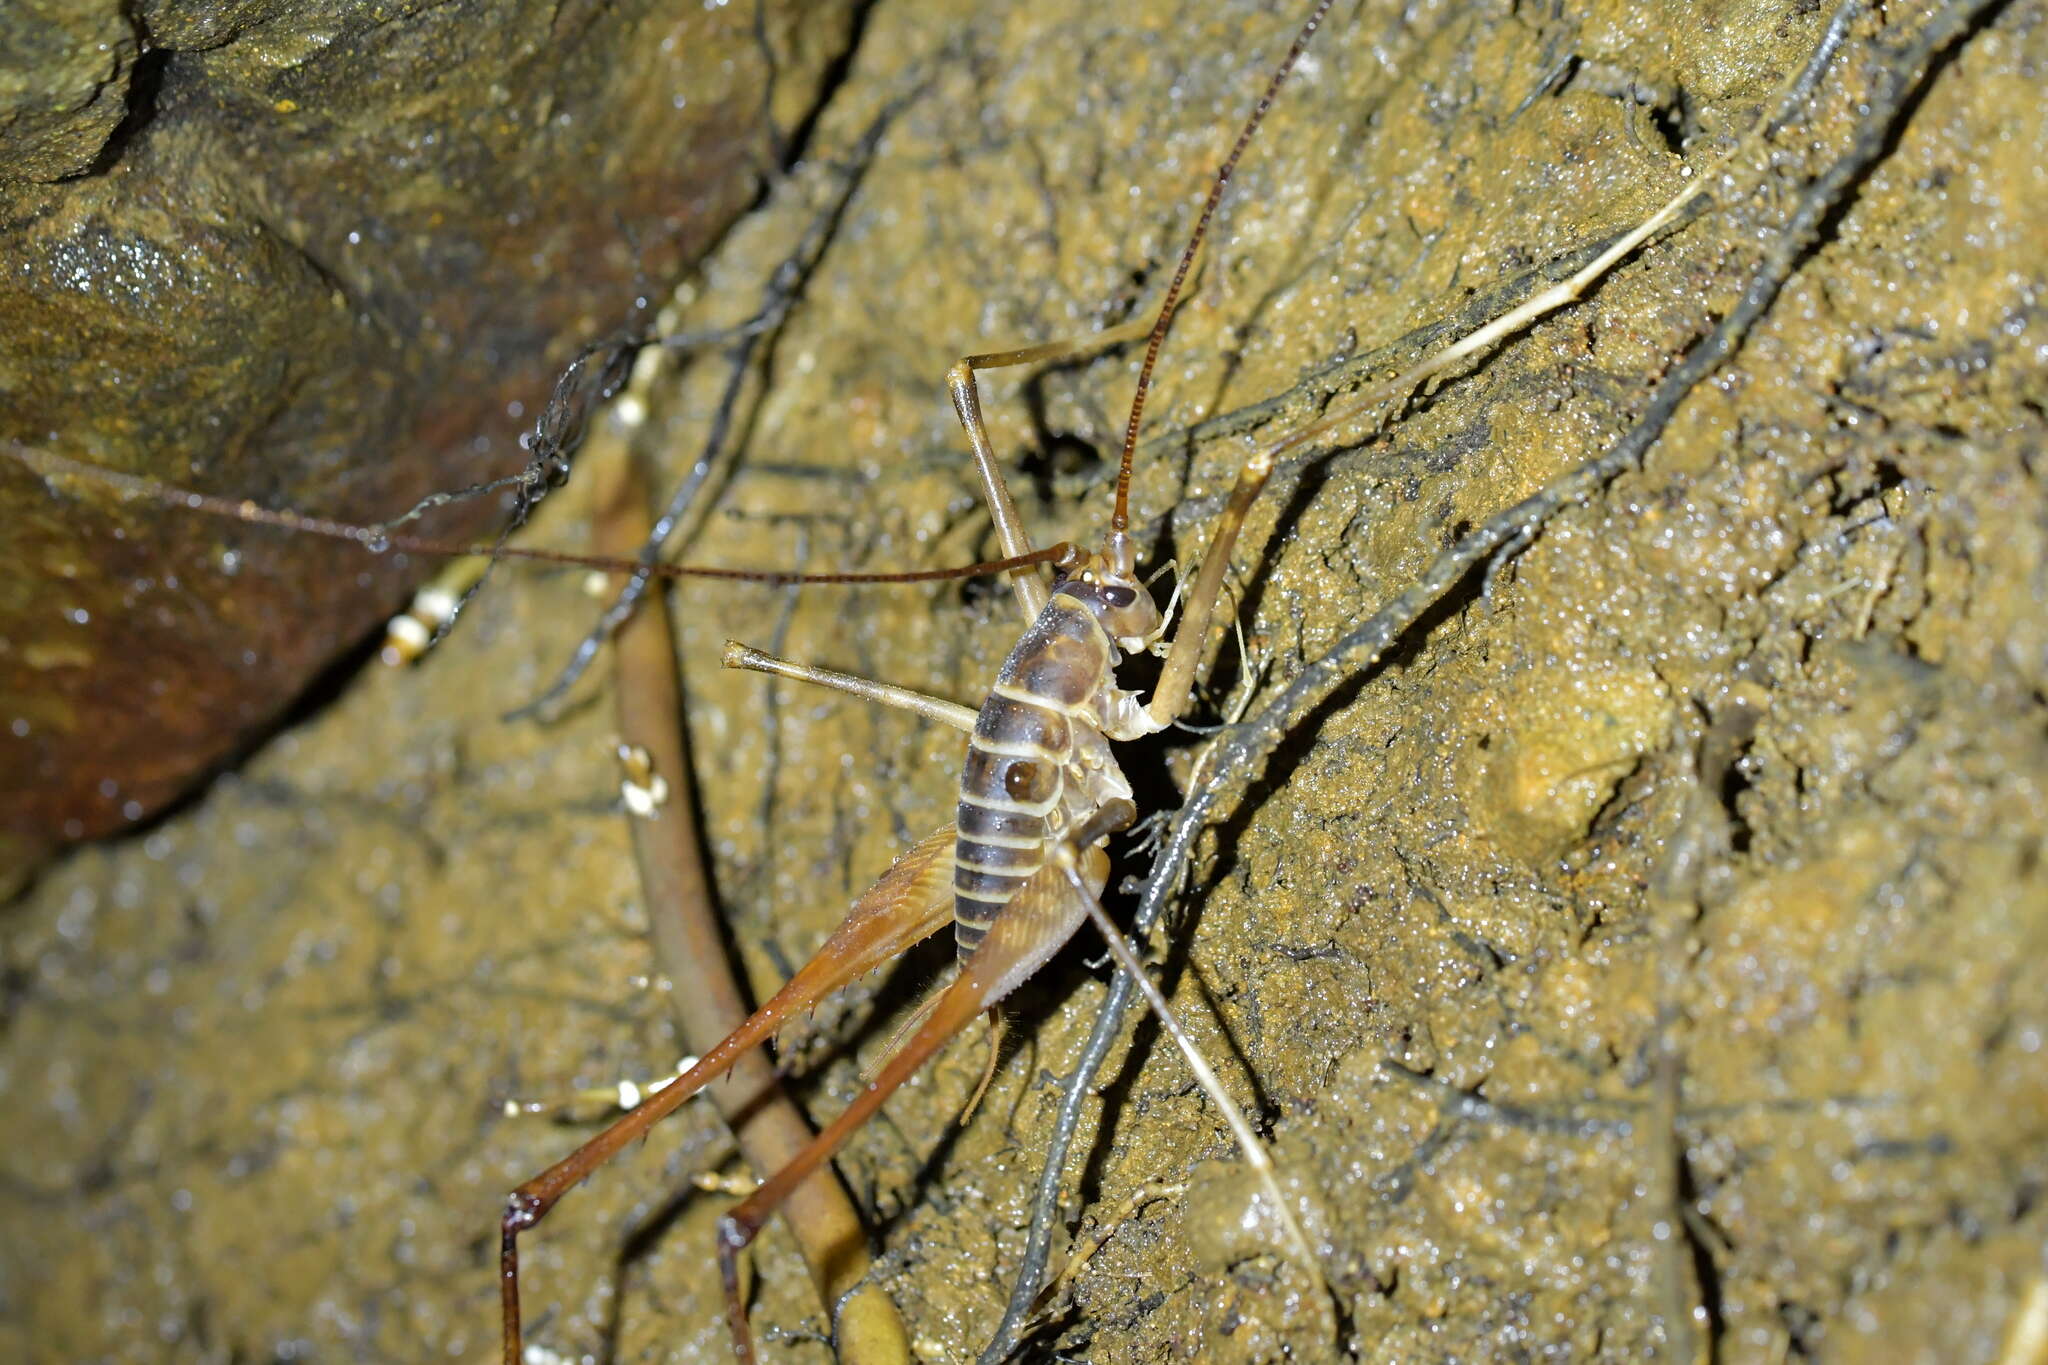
{"x":1116,"y":596}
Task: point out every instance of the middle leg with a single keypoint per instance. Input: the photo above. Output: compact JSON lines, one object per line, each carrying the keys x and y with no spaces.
{"x":950,"y":713}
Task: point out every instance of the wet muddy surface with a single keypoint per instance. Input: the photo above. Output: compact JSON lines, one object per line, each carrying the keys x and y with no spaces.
{"x":1542,"y":1079}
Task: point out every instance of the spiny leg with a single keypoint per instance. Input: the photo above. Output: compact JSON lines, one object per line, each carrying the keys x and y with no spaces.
{"x":1040,"y":918}
{"x":996,"y":1029}
{"x":913,"y":900}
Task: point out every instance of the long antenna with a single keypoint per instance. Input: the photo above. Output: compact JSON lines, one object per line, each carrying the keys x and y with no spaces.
{"x":1121,"y":517}
{"x":379,"y":539}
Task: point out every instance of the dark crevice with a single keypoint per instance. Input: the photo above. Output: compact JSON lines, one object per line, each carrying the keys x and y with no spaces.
{"x":1705,"y":1275}
{"x":1804,"y":1328}
{"x":1670,"y":118}
{"x":1057,"y":458}
{"x":1734,"y":782}
{"x":144,"y":93}
{"x":830,"y":80}
{"x":1671,"y":115}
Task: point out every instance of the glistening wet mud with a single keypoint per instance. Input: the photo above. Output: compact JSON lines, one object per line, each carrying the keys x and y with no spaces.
{"x":254,"y":1061}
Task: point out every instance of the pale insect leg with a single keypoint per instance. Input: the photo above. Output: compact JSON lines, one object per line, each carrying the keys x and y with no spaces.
{"x":950,"y":713}
{"x":1247,"y":1141}
{"x":1002,"y":509}
{"x":1177,"y":678}
{"x":1170,"y":697}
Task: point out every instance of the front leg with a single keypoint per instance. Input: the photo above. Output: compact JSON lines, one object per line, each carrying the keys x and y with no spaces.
{"x":1124,"y":717}
{"x":1177,"y":679}
{"x":1002,"y":509}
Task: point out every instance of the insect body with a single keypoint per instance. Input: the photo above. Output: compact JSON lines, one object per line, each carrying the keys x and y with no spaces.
{"x":1038,"y":791}
{"x":1027,"y":869}
{"x":1039,"y":765}
{"x":1038,"y":760}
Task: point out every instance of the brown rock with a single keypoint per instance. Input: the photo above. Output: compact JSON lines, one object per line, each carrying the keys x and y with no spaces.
{"x":313,"y":257}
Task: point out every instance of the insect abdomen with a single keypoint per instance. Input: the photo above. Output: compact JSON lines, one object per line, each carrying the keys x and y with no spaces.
{"x":1014,"y":778}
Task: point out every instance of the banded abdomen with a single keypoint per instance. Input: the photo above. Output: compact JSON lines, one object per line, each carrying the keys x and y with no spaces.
{"x":1035,"y":763}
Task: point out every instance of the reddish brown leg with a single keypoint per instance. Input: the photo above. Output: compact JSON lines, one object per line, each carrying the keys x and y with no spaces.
{"x":1039,"y":918}
{"x":912,"y":901}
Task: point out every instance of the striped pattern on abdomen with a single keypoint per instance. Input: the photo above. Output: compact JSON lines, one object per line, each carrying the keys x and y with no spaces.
{"x":1014,"y":781}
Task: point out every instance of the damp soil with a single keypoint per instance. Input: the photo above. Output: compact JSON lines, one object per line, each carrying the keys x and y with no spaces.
{"x":255,"y":1060}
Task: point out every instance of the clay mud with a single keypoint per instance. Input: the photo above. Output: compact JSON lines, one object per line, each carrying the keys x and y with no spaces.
{"x":1535,"y":1082}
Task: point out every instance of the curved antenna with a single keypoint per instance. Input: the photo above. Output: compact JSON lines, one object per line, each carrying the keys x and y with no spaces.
{"x":380,"y":540}
{"x":1121,"y":517}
